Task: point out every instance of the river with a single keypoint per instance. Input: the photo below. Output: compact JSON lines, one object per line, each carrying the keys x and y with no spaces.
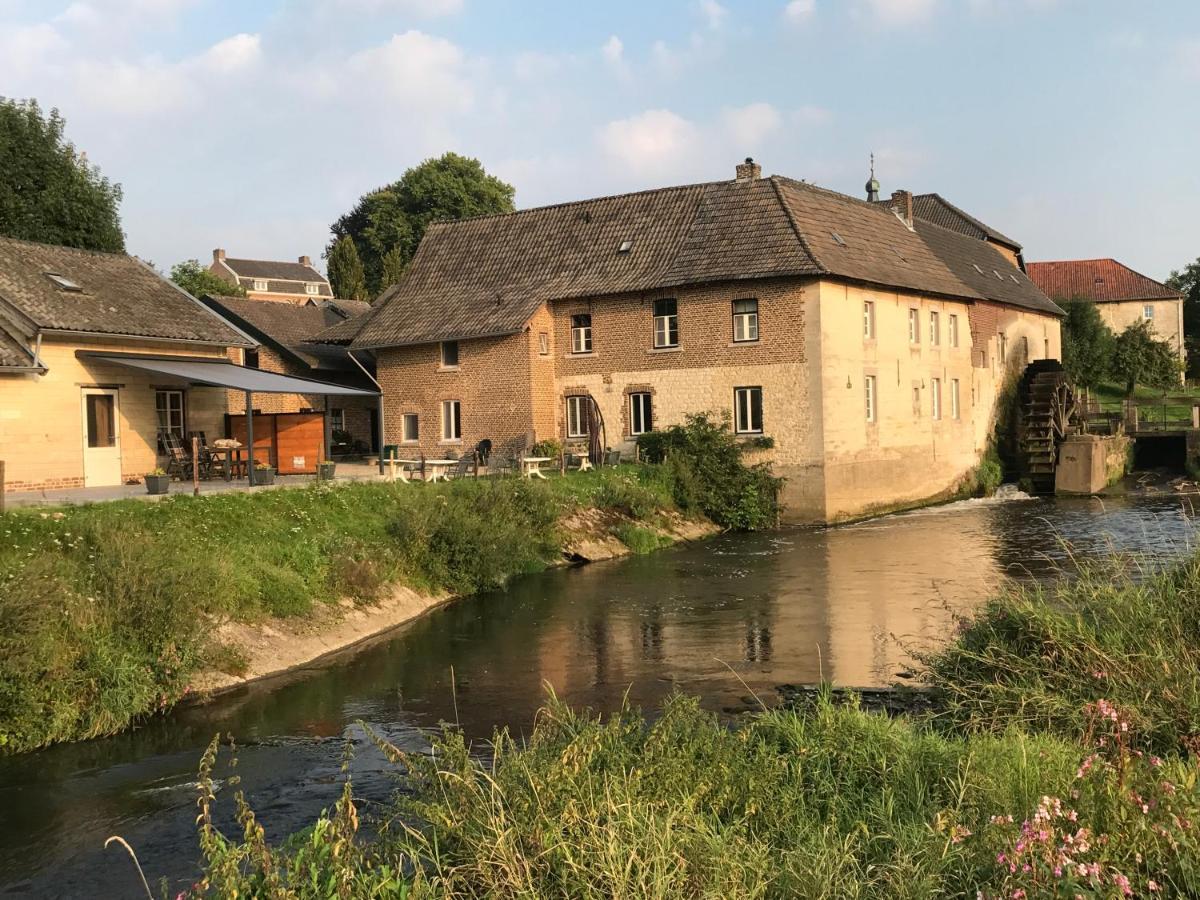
{"x":728,"y":619}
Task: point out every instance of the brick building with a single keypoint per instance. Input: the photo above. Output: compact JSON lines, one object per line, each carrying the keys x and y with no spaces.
{"x":263,"y":279}
{"x":288,"y":343}
{"x":869,"y":343}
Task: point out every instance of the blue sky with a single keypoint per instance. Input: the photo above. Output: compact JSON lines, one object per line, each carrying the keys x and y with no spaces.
{"x":1071,"y":125}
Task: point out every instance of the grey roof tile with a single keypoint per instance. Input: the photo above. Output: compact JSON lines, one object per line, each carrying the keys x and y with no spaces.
{"x":280,"y":270}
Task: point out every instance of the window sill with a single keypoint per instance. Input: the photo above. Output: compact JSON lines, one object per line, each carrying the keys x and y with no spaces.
{"x":412,"y":443}
{"x":583,"y":355}
{"x":753,"y":343}
{"x":674,"y":349}
{"x":447,"y":368}
{"x":448,"y":442}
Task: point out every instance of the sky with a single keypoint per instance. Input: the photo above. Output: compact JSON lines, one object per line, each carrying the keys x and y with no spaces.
{"x":1070,"y":125}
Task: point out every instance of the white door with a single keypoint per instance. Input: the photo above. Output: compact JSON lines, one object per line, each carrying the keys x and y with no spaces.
{"x":101,"y":437}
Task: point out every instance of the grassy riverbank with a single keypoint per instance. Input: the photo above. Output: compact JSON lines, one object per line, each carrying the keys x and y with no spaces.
{"x":1060,"y":762}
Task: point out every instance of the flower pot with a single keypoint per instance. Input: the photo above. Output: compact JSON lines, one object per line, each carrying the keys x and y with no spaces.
{"x":325,"y":471}
{"x":157,"y":484}
{"x":264,"y":476}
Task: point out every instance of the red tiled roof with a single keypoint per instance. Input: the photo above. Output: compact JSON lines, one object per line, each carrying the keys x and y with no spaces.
{"x":1098,"y":280}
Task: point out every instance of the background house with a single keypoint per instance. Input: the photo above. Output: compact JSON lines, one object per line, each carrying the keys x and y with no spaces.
{"x":289,"y":282}
{"x":287,"y":335}
{"x":1122,"y":295}
{"x":867,"y":344}
{"x":68,"y":419}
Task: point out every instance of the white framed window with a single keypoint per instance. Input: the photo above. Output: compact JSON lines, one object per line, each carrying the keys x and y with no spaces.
{"x":666,"y":323}
{"x":337,"y":419}
{"x":1147,"y":311}
{"x":581,"y":333}
{"x":935,"y":396}
{"x":914,"y":326}
{"x":952,"y":326}
{"x":954,"y":408}
{"x":451,"y":420}
{"x":410,"y":429}
{"x":868,"y":320}
{"x":641,"y":413}
{"x":745,"y":321}
{"x":544,"y":343}
{"x":935,"y":329}
{"x":577,"y":416}
{"x":1002,"y":347}
{"x":259,"y":285}
{"x":748,"y":410}
{"x":312,"y":288}
{"x":168,"y":405}
{"x":869,"y":390}
{"x":449,"y":354}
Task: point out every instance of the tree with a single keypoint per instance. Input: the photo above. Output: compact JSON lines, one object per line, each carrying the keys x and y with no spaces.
{"x":1141,"y":358}
{"x":393,"y":269}
{"x":198,"y":281}
{"x":1187,"y":282}
{"x":48,"y":191}
{"x":1087,"y":343}
{"x":346,"y":271}
{"x":394,"y":217}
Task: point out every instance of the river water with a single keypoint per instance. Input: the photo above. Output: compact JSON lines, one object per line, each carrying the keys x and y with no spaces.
{"x":727,"y":619}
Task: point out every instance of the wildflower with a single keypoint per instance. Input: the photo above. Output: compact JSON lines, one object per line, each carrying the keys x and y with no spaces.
{"x":1152,"y":885}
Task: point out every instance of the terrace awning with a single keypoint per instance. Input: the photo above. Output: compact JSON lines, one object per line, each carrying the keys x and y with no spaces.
{"x":222,"y":373}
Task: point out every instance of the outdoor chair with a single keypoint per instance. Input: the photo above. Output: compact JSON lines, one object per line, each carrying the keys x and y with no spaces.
{"x":612,"y":457}
{"x":205,"y":455}
{"x":179,"y":461}
{"x":501,"y":462}
{"x":483,"y":450}
{"x":465,"y":467}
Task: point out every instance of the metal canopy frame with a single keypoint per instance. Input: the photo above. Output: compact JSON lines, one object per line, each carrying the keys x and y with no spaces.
{"x":222,"y":373}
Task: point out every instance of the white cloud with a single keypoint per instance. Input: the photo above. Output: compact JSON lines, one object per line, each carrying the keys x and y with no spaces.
{"x":653,"y":143}
{"x":418,"y":70}
{"x":810,"y":114}
{"x":25,"y":48}
{"x":713,"y":12}
{"x":233,"y":53}
{"x":898,"y":12}
{"x":132,"y":89}
{"x":613,"y":50}
{"x":425,"y":8}
{"x":750,"y":125}
{"x":798,"y":12}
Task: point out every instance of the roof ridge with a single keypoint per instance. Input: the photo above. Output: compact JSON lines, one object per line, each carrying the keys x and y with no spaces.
{"x":808,"y":185}
{"x":569,"y":203}
{"x":84,"y":251}
{"x":787,"y":211}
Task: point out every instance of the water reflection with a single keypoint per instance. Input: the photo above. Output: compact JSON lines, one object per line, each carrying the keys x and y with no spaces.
{"x":735,"y":616}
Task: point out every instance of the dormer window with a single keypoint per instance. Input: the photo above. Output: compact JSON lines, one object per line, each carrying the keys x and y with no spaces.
{"x":64,"y":283}
{"x":260,"y":285}
{"x":312,"y":288}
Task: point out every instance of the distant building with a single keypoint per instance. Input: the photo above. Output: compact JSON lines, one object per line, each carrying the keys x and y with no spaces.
{"x":290,"y":282}
{"x":1122,"y":295}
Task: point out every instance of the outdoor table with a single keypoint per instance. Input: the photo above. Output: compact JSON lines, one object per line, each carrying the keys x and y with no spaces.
{"x":585,"y":461}
{"x":437,"y":468}
{"x":532,"y":466}
{"x":229,"y":454}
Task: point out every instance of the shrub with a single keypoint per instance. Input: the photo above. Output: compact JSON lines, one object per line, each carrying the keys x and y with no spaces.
{"x":708,"y":475}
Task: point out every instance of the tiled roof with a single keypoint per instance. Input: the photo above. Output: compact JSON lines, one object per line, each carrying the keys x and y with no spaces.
{"x":940,"y":211}
{"x":266,"y":268}
{"x":13,"y":351}
{"x":118,"y":295}
{"x":486,"y":276}
{"x":1099,"y":280}
{"x":287,"y":326}
{"x":287,"y":287}
{"x":985,"y":269}
{"x":348,"y":308}
{"x":346,"y":331}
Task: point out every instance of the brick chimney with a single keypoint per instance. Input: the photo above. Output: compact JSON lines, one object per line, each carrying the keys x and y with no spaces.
{"x":903,"y":205}
{"x":748,"y":170}
{"x":306,"y":261}
{"x":218,"y":255}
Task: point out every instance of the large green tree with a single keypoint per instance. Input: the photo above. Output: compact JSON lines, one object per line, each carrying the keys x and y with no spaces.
{"x":393,"y":218}
{"x":1187,"y":282}
{"x":198,"y":281}
{"x":346,"y":275}
{"x":1141,"y":358}
{"x":48,"y":191}
{"x":1087,"y":343}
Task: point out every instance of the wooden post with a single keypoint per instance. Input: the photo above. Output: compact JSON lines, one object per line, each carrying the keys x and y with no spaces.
{"x":195,"y":466}
{"x":250,"y":439}
{"x":1195,"y":423}
{"x":475,"y":463}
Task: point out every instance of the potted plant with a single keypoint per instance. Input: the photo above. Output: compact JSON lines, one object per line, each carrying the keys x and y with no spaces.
{"x":264,"y":473}
{"x":157,"y":482}
{"x":325,"y":469}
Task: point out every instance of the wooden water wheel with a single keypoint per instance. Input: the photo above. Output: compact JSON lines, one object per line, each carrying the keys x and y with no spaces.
{"x":1049,"y":412}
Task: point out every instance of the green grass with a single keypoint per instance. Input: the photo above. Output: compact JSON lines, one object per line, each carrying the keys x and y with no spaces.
{"x":828,"y":803}
{"x":106,"y":610}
